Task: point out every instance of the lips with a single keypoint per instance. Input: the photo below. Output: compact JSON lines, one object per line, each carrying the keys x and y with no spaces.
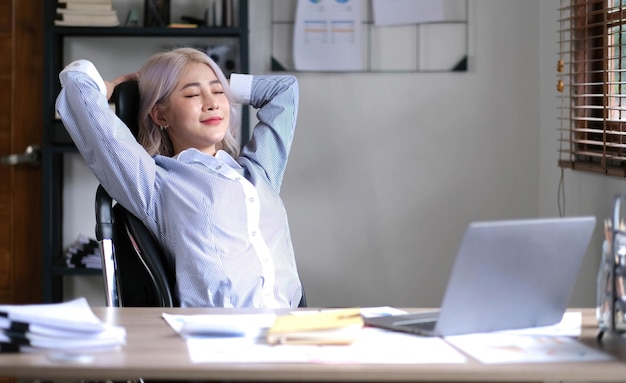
{"x":212,"y":120}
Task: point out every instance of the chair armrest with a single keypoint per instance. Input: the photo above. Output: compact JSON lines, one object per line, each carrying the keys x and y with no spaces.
{"x":104,"y":216}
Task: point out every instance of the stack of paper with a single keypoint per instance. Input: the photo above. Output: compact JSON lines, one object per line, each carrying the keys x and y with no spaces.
{"x":86,"y":13}
{"x":65,"y":327}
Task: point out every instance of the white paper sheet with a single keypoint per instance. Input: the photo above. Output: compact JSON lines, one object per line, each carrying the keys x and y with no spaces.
{"x":328,"y":36}
{"x":373,"y":346}
{"x":568,"y":326}
{"x":504,"y":348}
{"x":547,"y":344}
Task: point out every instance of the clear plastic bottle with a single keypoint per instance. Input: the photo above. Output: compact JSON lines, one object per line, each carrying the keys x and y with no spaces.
{"x":603,"y":307}
{"x":618,"y":256}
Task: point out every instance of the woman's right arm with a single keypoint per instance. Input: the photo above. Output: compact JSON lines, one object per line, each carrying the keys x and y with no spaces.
{"x":120,"y":164}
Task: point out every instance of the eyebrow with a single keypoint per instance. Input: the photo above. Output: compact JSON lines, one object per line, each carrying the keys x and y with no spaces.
{"x":188,"y":85}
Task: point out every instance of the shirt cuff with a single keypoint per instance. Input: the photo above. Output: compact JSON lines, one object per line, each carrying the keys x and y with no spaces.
{"x":241,"y":87}
{"x":87,"y":67}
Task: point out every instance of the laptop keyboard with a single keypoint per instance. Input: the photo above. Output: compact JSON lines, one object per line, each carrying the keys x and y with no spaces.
{"x":416,"y":323}
{"x":428,"y":326}
{"x":423,"y":321}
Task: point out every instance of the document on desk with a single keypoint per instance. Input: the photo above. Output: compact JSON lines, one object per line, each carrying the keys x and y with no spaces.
{"x":226,"y":325}
{"x":374,"y":346}
{"x":548,"y":344}
{"x":240,"y":338}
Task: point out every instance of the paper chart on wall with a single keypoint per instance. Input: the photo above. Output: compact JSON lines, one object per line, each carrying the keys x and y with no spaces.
{"x":400,"y":12}
{"x":328,"y":35}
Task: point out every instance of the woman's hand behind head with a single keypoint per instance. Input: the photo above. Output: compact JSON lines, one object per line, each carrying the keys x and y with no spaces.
{"x":118,"y":80}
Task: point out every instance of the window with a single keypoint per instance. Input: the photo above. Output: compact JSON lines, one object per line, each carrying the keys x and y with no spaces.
{"x":592,"y":86}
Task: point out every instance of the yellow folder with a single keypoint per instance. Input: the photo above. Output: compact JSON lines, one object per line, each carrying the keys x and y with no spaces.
{"x":341,"y":326}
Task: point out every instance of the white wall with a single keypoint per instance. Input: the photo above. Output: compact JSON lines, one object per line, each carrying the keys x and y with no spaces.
{"x":387,"y":169}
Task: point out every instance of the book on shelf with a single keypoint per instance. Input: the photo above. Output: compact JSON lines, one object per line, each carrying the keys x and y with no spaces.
{"x":85,"y":17}
{"x":85,"y":5}
{"x":86,"y":20}
{"x":85,"y":12}
{"x":220,"y":13}
{"x":86,"y":1}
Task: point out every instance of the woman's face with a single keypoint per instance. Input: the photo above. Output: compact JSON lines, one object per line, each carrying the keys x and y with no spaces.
{"x":197,"y":113}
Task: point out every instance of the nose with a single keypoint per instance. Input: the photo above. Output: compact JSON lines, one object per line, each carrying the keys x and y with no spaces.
{"x":211,"y":102}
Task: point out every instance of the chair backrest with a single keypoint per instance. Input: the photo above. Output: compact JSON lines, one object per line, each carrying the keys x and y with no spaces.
{"x":136,"y":272}
{"x":125,"y":99}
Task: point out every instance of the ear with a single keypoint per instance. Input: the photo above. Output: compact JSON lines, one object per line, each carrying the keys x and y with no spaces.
{"x":157,"y":115}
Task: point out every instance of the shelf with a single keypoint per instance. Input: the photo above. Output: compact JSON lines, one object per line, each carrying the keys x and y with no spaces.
{"x":147,"y":31}
{"x":65,"y":271}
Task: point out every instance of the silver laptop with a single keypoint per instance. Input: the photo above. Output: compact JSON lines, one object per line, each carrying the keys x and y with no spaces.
{"x":507,"y":275}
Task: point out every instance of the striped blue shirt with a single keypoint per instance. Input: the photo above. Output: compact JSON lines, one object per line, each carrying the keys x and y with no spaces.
{"x":221,"y":220}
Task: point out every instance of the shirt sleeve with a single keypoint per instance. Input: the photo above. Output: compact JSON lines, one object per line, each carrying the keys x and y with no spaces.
{"x":119,"y":162}
{"x":241,"y":87}
{"x":276,"y":97}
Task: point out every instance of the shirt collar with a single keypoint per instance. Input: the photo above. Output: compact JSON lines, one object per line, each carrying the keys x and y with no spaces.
{"x":228,"y":159}
{"x":215,"y":163}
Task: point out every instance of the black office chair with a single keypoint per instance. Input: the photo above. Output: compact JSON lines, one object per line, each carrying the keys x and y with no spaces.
{"x":136,"y":271}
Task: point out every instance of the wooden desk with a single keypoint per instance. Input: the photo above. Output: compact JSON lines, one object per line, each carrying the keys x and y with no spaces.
{"x":154,"y":351}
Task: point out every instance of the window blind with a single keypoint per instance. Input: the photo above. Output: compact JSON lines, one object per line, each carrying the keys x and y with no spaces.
{"x":591,"y":85}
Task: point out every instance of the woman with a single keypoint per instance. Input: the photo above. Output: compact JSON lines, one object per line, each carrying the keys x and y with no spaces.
{"x":217,"y":213}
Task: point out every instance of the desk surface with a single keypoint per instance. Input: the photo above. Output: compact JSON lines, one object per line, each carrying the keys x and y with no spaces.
{"x":154,"y":351}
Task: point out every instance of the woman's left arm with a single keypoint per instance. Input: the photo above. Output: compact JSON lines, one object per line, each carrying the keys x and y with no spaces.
{"x":276,"y":97}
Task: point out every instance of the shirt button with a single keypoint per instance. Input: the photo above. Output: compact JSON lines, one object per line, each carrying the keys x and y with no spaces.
{"x":218,"y":167}
{"x":251,"y":199}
